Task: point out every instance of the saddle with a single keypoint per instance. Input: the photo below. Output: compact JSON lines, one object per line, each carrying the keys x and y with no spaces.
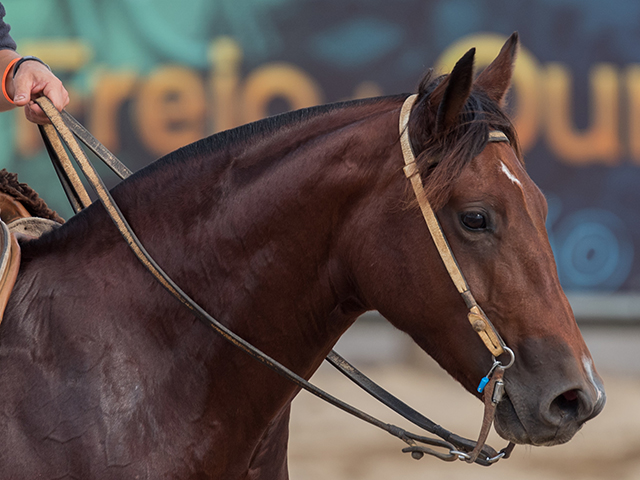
{"x":15,"y":223}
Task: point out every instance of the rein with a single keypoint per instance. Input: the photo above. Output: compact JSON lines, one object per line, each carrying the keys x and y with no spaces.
{"x":60,"y":134}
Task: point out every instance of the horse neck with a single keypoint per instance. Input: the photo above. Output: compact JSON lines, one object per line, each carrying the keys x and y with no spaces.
{"x":275,"y":232}
{"x":254,"y":233}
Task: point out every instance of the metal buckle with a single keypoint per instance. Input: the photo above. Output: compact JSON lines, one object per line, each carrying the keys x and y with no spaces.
{"x":493,"y":460}
{"x":511,"y":354}
{"x":498,"y":392}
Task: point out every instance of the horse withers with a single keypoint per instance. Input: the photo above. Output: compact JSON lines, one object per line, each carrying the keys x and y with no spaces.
{"x":286,"y":230}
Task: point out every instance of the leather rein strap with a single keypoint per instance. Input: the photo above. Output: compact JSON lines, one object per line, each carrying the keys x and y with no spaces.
{"x":60,"y":134}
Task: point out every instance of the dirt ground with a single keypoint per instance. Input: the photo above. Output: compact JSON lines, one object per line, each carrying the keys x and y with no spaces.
{"x":326,"y":443}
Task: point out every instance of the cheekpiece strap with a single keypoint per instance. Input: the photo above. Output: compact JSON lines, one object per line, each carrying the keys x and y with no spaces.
{"x":477,"y":318}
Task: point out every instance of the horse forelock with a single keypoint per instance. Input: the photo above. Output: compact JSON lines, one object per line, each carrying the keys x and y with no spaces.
{"x":442,"y":156}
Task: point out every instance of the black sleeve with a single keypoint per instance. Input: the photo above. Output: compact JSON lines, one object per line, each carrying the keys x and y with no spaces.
{"x":5,"y":39}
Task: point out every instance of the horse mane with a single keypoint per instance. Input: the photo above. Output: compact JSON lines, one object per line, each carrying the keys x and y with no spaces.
{"x":239,"y":136}
{"x":441,"y":157}
{"x":214,"y":154}
{"x":26,"y":195}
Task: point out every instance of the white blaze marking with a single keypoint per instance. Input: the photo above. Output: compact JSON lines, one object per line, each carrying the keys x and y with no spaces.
{"x":510,"y":175}
{"x":588,"y":366}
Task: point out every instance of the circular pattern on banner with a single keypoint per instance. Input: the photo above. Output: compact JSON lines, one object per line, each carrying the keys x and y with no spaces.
{"x":594,"y":250}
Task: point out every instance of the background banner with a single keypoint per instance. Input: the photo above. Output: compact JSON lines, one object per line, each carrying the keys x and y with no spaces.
{"x":149,"y":76}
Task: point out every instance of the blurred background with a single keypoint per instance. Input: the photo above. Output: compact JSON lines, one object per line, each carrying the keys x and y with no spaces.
{"x":148,"y":76}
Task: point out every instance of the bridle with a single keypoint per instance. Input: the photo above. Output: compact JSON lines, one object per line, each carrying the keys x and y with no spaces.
{"x":61,"y":133}
{"x":478,"y":319}
{"x":476,"y":316}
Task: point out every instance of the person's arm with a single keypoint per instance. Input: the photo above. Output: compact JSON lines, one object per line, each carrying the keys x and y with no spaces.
{"x":6,"y":56}
{"x":32,"y":80}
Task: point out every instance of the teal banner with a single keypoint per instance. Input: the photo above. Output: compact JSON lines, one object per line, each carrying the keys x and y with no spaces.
{"x":148,"y":76}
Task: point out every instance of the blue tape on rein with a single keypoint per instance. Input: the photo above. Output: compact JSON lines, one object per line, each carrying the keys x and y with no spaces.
{"x":483,"y":383}
{"x":485,"y":379}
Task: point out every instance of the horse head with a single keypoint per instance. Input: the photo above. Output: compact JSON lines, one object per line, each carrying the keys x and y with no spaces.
{"x":493,"y":216}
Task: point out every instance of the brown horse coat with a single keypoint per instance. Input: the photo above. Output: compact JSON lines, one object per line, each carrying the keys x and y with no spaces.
{"x":285,"y":230}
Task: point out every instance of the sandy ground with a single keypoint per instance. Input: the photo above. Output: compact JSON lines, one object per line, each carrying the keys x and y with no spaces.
{"x":326,"y":443}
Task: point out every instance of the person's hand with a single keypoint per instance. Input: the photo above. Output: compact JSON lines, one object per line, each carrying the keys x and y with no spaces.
{"x":33,"y":80}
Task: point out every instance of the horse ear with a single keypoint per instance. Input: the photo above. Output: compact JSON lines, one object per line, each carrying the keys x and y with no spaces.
{"x":496,"y":78}
{"x":457,"y":87}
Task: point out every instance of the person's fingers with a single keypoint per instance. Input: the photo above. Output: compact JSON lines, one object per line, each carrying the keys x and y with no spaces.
{"x":22,"y":90}
{"x":34,"y":114}
{"x":28,"y":80}
{"x":33,"y":80}
{"x":56,"y":93}
{"x":58,"y":96}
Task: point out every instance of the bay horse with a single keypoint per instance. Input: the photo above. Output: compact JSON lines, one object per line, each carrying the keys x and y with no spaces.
{"x":286,"y":230}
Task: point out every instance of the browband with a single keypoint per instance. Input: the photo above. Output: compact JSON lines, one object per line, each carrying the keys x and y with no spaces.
{"x":498,"y":136}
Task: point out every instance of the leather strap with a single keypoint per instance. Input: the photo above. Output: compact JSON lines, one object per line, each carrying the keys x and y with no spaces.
{"x":489,"y":412}
{"x":460,"y":443}
{"x":479,"y":321}
{"x":71,"y":183}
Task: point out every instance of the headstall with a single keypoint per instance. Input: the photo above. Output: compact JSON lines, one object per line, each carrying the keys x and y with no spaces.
{"x":476,"y":316}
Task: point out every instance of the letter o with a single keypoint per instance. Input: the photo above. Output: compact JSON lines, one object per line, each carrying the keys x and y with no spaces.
{"x":278,"y":80}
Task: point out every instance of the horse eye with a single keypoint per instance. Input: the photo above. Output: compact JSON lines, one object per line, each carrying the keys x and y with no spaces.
{"x":474,"y":220}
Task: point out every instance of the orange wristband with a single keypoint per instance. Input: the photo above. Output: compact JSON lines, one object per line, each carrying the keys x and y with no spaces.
{"x":4,"y":80}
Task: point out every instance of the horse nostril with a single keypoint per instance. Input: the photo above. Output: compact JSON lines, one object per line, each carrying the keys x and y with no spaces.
{"x":566,"y":404}
{"x":571,"y":395}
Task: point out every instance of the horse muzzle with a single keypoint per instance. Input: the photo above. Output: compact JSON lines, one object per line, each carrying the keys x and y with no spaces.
{"x":549,"y":413}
